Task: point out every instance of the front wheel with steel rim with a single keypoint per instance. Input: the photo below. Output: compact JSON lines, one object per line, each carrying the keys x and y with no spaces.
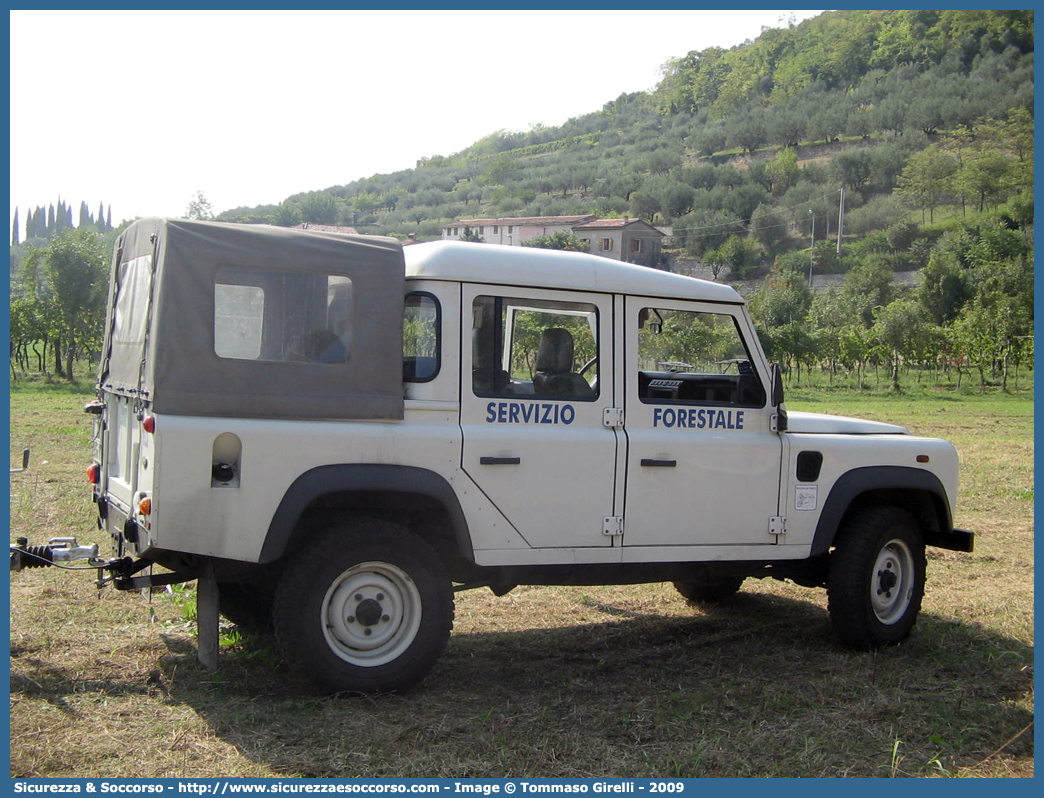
{"x":364,"y":607}
{"x":876,"y":578}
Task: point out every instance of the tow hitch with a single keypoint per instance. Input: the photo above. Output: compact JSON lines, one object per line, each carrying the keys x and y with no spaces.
{"x":61,"y":552}
{"x":57,"y":550}
{"x":121,"y":570}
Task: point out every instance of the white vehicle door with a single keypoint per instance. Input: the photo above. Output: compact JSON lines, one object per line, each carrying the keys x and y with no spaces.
{"x":536,"y":376}
{"x":703,"y":466}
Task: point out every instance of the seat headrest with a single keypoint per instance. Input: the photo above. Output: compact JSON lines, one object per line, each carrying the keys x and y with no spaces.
{"x":556,"y":351}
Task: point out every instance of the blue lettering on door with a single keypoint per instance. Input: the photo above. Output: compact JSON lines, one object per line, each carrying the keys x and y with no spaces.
{"x":691,"y":418}
{"x":529,"y":413}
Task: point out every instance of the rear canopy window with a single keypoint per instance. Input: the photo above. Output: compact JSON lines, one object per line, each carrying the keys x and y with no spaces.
{"x":239,"y":315}
{"x":132,"y":301}
{"x":276,"y":316}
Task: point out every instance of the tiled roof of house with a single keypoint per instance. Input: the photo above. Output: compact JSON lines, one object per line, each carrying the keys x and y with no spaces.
{"x":610,"y":224}
{"x":520,"y":220}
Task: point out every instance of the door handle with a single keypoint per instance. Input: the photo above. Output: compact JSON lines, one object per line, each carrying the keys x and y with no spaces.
{"x":648,"y":462}
{"x":500,"y":460}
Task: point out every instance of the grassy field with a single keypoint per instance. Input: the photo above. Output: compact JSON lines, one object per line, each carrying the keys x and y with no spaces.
{"x":571,"y":682}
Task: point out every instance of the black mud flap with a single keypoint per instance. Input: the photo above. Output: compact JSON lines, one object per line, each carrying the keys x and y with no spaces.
{"x":954,"y":540}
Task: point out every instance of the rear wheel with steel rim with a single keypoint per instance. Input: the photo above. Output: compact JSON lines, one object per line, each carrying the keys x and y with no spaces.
{"x":365,"y":607}
{"x":371,"y":613}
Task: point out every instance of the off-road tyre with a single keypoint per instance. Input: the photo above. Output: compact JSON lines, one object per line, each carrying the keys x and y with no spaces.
{"x":365,"y":607}
{"x":709,"y":593}
{"x":876,"y":578}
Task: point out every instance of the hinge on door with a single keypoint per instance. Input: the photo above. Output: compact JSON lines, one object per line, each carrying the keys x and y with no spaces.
{"x":613,"y":417}
{"x":612,"y":526}
{"x":777,"y":525}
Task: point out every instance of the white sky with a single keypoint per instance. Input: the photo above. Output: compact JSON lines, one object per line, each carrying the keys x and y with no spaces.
{"x":140,"y":109}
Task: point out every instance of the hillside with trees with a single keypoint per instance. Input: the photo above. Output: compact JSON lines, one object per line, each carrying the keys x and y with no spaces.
{"x":924,"y":119}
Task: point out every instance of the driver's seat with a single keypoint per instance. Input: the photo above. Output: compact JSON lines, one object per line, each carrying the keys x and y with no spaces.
{"x":554,"y":364}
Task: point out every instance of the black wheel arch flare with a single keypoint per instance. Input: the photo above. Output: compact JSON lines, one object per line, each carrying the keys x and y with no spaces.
{"x":913,"y":489}
{"x":362,"y":477}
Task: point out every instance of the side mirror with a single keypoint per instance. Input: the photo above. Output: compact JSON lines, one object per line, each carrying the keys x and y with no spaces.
{"x":779,"y":418}
{"x":777,"y":385}
{"x":655,"y":326}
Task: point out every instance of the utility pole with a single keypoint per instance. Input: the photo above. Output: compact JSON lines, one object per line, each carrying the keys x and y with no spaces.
{"x":812,"y":249}
{"x":841,"y":221}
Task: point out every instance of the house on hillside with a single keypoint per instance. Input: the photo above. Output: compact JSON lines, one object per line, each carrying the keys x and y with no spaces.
{"x":512,"y":231}
{"x":629,"y":240}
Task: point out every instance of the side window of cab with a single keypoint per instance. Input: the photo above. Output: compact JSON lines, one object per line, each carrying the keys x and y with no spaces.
{"x":694,"y":357}
{"x":534,"y":347}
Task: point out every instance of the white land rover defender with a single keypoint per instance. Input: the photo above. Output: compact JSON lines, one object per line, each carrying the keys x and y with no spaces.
{"x":337,"y":433}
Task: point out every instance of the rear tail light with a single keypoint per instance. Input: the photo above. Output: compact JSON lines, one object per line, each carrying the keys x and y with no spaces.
{"x":145,"y":506}
{"x":149,"y":424}
{"x":94,"y":474}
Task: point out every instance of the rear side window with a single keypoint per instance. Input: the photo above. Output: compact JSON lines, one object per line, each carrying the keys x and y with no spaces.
{"x":289,"y":317}
{"x":421,"y":338}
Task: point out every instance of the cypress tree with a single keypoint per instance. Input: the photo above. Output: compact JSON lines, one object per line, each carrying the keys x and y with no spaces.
{"x":14,"y":230}
{"x":62,"y":217}
{"x":39,"y":224}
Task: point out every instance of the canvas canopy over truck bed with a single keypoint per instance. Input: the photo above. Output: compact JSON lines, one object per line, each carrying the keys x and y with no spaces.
{"x":326,"y":307}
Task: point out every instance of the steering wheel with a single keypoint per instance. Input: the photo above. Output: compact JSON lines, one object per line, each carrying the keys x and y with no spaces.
{"x":587,"y":366}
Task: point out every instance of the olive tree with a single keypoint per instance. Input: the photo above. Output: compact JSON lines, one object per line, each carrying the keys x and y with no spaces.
{"x":74,"y":269}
